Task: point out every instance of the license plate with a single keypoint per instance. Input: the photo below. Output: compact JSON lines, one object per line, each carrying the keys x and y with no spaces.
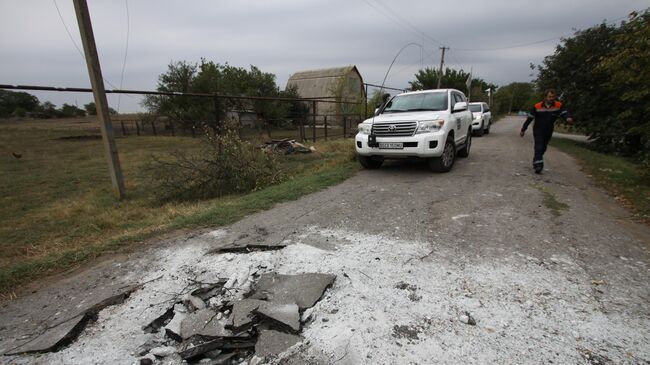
{"x":391,"y":145}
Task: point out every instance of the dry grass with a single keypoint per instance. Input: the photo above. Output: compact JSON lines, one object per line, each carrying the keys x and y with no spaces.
{"x":57,"y":209}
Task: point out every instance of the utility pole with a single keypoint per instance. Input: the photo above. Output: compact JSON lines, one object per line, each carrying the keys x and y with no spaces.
{"x":97,"y":82}
{"x":442,"y":61}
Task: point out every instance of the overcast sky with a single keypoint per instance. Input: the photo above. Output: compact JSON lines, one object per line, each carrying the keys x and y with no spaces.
{"x":283,"y":37}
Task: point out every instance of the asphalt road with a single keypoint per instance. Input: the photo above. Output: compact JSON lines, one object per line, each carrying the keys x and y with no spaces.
{"x":549,"y":266}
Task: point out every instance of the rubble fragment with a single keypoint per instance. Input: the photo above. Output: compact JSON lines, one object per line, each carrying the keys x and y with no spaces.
{"x":467,"y":319}
{"x":204,"y":322}
{"x":247,"y":248}
{"x":286,"y":314}
{"x":163,"y":351}
{"x":303,"y":289}
{"x":271,"y":342}
{"x":192,"y":302}
{"x":242,"y":313}
{"x":54,"y":337}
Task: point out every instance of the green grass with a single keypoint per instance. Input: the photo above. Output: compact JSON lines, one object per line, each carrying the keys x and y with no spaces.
{"x":550,"y":201}
{"x":58,"y":211}
{"x":622,"y":177}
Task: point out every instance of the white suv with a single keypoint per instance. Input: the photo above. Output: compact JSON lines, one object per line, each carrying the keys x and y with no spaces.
{"x":482,"y":118}
{"x":435,"y":125}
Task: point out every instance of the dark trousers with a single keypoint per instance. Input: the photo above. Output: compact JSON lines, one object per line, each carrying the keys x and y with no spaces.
{"x":542,"y":134}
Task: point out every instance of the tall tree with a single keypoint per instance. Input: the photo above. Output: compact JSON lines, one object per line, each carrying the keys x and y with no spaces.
{"x":10,"y":101}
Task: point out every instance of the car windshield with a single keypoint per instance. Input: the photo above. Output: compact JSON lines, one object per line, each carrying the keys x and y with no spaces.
{"x":475,"y":107}
{"x":417,"y":102}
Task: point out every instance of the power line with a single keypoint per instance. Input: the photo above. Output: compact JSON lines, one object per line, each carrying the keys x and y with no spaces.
{"x":75,"y":43}
{"x":407,"y":23}
{"x":389,"y":14}
{"x":532,"y":43}
{"x":126,"y":51}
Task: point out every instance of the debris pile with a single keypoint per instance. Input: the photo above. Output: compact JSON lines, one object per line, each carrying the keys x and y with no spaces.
{"x":285,"y":147}
{"x":220,"y":323}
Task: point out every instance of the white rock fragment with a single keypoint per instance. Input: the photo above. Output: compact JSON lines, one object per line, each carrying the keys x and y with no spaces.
{"x":464,"y":318}
{"x":163,"y":351}
{"x":256,"y":360}
{"x":193,"y":302}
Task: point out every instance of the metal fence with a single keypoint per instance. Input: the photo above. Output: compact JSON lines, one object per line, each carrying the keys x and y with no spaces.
{"x":303,"y":119}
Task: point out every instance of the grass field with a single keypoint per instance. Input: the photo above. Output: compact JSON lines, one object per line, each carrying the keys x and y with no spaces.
{"x":621,"y":177}
{"x":58,"y":212}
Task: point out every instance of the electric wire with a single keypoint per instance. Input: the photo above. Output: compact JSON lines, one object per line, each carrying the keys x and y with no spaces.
{"x":75,"y":43}
{"x":126,"y":51}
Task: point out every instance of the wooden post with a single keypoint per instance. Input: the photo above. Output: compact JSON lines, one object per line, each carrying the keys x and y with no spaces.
{"x":153,"y":127}
{"x":313,"y":104}
{"x":137,"y":128}
{"x":123,"y":130}
{"x":325,"y":125}
{"x":345,"y":126}
{"x":97,"y":82}
{"x":171,"y":124}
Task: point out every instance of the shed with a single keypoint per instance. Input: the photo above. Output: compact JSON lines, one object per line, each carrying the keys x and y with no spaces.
{"x":344,"y":83}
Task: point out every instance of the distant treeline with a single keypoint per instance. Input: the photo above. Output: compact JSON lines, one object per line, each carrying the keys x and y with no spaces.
{"x":21,"y":104}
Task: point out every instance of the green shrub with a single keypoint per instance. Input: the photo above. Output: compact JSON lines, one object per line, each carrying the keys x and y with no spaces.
{"x":225,"y":164}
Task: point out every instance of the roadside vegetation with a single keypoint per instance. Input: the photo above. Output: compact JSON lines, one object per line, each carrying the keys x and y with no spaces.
{"x":625,"y":178}
{"x":58,"y":211}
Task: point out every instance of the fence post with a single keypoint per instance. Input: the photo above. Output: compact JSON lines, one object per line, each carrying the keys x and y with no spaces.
{"x":123,"y":130}
{"x":171,"y":124}
{"x":313,"y":103}
{"x":325,"y":125}
{"x":153,"y":127}
{"x":345,"y":126}
{"x":137,"y":128}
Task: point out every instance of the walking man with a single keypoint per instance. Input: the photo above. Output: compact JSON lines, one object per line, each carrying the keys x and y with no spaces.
{"x":545,"y":113}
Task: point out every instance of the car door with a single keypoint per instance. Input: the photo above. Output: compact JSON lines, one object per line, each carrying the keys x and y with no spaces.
{"x":460,"y":129}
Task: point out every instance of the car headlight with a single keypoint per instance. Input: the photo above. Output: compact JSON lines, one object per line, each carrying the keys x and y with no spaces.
{"x":364,"y":128}
{"x":477,"y":116}
{"x":427,"y":126}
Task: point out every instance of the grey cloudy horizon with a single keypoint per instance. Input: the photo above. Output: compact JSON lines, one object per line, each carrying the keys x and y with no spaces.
{"x":283,"y":37}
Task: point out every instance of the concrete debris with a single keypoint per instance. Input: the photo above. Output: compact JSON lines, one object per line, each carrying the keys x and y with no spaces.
{"x":285,"y":147}
{"x":173,"y":328}
{"x":160,"y":322}
{"x":302,"y":289}
{"x":242,"y":313}
{"x":286,"y":314}
{"x":271,"y":343}
{"x":163,"y":351}
{"x":248,"y":248}
{"x":146,"y":361}
{"x":256,"y":360}
{"x":467,"y":319}
{"x":204,"y":323}
{"x":54,"y":337}
{"x":192,"y":350}
{"x":192,"y":302}
{"x":210,"y":290}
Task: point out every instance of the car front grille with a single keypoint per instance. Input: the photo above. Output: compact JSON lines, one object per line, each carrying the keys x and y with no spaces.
{"x":398,"y":129}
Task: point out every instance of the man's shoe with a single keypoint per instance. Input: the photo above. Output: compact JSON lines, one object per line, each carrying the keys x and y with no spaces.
{"x":538,"y":169}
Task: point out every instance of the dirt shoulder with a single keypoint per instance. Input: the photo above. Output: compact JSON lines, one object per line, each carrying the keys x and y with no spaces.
{"x":549,"y":267}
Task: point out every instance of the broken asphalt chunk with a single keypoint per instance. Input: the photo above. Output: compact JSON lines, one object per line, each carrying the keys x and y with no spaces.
{"x":193,"y":350}
{"x":54,"y":337}
{"x":242,"y":314}
{"x":247,"y":248}
{"x":302,"y":289}
{"x":286,"y":314}
{"x":204,"y":322}
{"x":272,"y":342}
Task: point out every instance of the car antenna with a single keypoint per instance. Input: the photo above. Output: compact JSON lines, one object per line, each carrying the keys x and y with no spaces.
{"x":372,"y":138}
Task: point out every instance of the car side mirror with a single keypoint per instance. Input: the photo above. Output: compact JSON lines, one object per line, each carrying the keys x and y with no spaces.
{"x":377,"y":110}
{"x":459,"y":106}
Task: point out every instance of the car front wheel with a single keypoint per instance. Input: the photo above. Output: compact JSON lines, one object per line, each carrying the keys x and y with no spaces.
{"x":369,"y":162}
{"x":445,"y":162}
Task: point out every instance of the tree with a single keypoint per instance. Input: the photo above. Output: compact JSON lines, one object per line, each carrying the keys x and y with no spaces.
{"x":602,"y":72}
{"x":48,"y":109}
{"x":10,"y":101}
{"x":213,"y":78}
{"x":69,"y":111}
{"x":514,"y":97}
{"x":91,"y":108}
{"x":451,"y":79}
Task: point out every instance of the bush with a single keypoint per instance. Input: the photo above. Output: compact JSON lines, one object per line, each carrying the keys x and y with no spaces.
{"x":225,"y":164}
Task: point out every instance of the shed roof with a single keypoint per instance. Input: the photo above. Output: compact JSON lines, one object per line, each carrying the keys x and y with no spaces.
{"x":321,"y":82}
